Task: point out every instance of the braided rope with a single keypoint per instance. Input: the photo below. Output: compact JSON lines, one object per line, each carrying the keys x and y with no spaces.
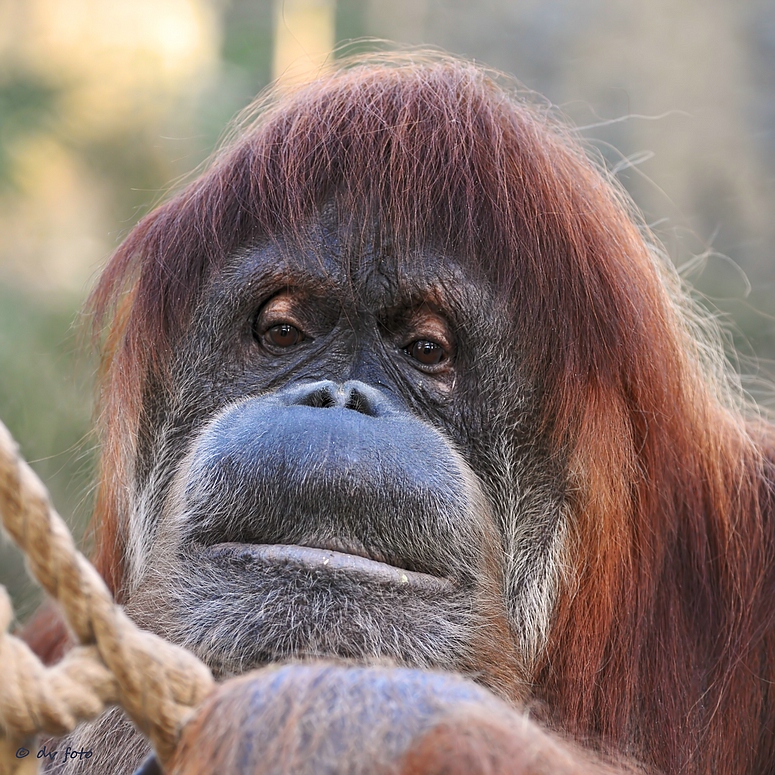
{"x":158,"y":684}
{"x":51,"y":700}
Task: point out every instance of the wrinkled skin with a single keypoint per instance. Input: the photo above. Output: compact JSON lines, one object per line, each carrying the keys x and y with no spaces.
{"x":329,"y":402}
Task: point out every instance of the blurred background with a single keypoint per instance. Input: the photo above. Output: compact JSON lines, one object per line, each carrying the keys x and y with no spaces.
{"x":104,"y":104}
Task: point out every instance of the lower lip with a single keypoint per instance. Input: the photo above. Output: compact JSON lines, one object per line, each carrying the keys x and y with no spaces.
{"x":327,"y":560}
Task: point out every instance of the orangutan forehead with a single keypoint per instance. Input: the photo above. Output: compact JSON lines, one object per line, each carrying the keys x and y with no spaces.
{"x":325,"y":262}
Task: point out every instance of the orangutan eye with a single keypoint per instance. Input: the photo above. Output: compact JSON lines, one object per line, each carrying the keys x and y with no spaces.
{"x":426,"y":352}
{"x":283,"y":335}
{"x":276,"y":325}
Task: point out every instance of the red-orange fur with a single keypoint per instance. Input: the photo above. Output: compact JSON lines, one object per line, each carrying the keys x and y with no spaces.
{"x":300,"y":729}
{"x":663,"y":639}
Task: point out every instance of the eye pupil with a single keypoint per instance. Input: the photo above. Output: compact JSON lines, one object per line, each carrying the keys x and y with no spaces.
{"x":284,"y":335}
{"x":426,"y":352}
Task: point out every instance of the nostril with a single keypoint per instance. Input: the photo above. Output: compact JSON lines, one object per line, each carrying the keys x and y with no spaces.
{"x":358,"y":402}
{"x":320,"y":398}
{"x":326,"y":394}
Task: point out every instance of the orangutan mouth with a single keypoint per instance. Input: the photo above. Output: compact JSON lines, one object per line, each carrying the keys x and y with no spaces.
{"x":328,"y":560}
